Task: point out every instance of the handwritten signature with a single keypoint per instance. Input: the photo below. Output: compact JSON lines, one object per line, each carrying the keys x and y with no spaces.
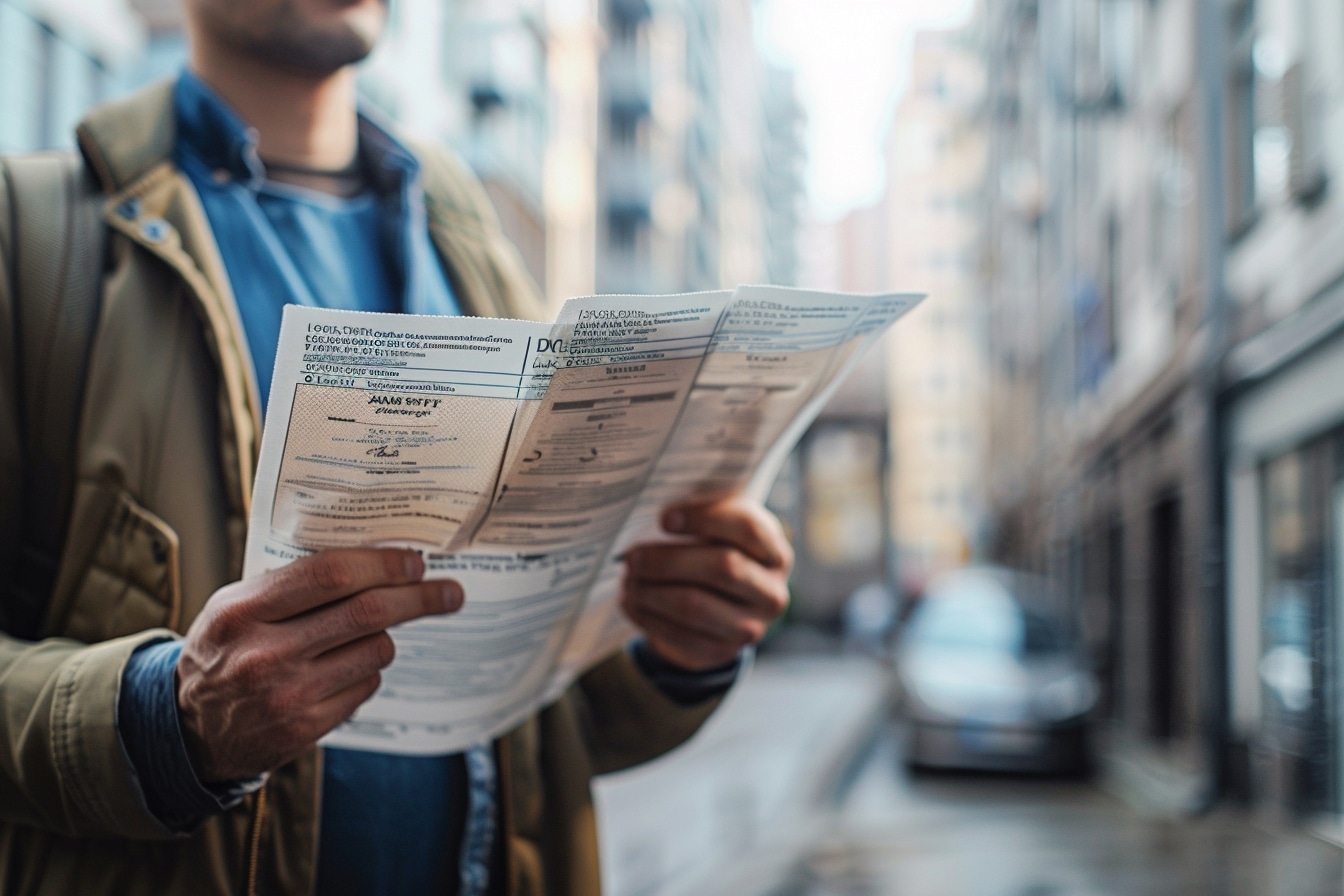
{"x":381,"y":451}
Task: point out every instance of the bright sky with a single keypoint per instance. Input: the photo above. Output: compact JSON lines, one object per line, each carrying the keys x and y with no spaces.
{"x":852,"y":59}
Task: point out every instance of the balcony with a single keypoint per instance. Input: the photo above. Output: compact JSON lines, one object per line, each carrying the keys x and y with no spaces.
{"x":626,"y":82}
{"x":627,"y":183}
{"x":629,"y":14}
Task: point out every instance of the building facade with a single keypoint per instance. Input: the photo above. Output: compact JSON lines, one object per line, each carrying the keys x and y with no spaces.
{"x":901,"y":447}
{"x":932,"y":232}
{"x":699,"y":148}
{"x":1104,"y":427}
{"x":1284,"y":472}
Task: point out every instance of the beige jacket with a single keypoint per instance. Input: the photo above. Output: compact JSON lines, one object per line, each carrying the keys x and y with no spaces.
{"x":167,"y":446}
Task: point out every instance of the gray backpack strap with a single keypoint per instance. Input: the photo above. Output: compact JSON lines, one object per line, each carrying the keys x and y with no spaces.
{"x":58,"y":262}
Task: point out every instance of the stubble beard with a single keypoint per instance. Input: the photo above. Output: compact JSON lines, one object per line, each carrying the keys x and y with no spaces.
{"x":289,"y":39}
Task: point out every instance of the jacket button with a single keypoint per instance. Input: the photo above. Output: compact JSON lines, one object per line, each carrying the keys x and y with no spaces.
{"x":129,"y":210}
{"x":155,"y":230}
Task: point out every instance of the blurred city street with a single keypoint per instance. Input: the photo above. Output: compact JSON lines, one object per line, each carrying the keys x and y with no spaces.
{"x":741,"y":801}
{"x":1089,"y":491}
{"x":978,"y":835}
{"x":799,"y":788}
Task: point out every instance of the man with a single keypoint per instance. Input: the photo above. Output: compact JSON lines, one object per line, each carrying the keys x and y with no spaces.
{"x":136,"y":760}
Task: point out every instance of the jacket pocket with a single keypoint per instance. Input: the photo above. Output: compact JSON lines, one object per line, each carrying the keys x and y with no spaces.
{"x":134,"y":582}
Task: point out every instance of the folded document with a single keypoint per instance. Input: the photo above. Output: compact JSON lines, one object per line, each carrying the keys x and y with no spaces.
{"x":524,"y":458}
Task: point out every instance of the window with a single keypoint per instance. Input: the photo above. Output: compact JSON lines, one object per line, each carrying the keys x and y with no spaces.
{"x":1111,"y":297}
{"x":622,"y":231}
{"x":21,"y":73}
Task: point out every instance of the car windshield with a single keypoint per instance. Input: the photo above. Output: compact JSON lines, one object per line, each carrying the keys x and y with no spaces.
{"x":977,"y":612}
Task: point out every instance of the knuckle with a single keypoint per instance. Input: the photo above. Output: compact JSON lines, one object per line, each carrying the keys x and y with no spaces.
{"x":755,"y":528}
{"x":726,"y":564}
{"x":333,"y":572}
{"x":366,"y":612}
{"x":251,"y":669}
{"x":229,"y":620}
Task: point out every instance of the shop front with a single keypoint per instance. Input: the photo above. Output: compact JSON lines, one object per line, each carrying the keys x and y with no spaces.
{"x":1285,"y":548}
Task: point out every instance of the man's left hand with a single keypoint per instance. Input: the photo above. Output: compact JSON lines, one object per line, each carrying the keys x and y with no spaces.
{"x":700,"y":602}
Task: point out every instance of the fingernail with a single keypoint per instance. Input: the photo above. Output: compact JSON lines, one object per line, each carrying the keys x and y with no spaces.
{"x":415,"y":565}
{"x":674,"y":521}
{"x":452,"y":596}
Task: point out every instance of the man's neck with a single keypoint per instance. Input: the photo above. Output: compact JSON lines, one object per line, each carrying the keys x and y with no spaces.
{"x":300,"y":119}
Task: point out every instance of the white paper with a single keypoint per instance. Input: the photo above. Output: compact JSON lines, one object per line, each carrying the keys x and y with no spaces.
{"x":524,"y":459}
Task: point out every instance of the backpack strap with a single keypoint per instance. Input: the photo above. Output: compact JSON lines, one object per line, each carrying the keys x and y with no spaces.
{"x":58,"y":260}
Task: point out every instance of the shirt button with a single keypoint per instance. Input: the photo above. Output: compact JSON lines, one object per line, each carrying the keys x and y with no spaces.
{"x":221,"y":176}
{"x":155,"y":230}
{"x":129,"y":210}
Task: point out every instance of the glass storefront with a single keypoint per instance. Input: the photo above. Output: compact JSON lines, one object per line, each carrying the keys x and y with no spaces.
{"x":1299,"y":664}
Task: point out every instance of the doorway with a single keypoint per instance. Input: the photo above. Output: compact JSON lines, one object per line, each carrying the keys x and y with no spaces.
{"x":1164,"y":616}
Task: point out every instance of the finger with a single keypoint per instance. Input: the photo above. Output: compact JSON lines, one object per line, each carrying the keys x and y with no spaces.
{"x":738,"y":522}
{"x":346,"y":666}
{"x":694,"y":611}
{"x":329,"y":576}
{"x":327,"y":714}
{"x":369,"y":612}
{"x":721,"y":569}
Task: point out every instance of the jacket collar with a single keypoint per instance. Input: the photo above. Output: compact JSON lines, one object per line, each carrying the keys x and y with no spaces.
{"x":123,"y":141}
{"x":129,"y":146}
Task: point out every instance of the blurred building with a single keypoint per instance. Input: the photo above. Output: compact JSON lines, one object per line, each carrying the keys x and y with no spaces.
{"x":574,"y":48}
{"x":1283,"y":83}
{"x":700,"y":151}
{"x":627,"y":146}
{"x":892,"y":473}
{"x":1167,"y":344}
{"x":57,"y":58}
{"x":931,"y":234}
{"x":474,"y":75}
{"x":1103,"y":433}
{"x":782,"y":176}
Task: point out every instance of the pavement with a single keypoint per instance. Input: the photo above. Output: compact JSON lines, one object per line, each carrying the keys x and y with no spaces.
{"x":1001,"y":835}
{"x":739,"y":806}
{"x":796,"y":787}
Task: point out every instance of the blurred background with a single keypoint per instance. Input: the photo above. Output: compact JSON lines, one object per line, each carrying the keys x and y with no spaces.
{"x":1083,"y":514}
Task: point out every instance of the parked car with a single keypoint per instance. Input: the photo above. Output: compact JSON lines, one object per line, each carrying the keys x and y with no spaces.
{"x":993,"y":677}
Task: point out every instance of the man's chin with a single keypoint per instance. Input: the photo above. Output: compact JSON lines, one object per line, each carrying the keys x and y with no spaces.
{"x":320,"y":42}
{"x":328,"y":47}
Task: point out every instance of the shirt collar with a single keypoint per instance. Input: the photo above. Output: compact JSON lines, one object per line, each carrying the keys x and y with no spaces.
{"x":212,"y":132}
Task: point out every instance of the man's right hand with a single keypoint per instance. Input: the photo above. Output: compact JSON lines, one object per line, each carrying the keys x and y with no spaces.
{"x":275,"y":662}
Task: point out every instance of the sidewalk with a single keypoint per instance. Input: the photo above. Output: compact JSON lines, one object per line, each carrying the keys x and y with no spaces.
{"x":738,"y":802}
